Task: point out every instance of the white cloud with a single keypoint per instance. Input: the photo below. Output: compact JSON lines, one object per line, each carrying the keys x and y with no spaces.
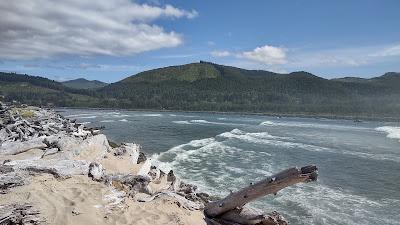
{"x":268,"y":55}
{"x":44,"y":28}
{"x":393,"y":50}
{"x":220,"y":53}
{"x":344,"y":57}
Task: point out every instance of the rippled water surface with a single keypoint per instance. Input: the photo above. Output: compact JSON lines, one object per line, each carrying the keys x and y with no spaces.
{"x":359,"y":163}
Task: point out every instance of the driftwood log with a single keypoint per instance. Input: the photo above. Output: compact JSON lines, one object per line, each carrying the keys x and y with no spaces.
{"x":232,"y":210}
{"x":22,"y":214}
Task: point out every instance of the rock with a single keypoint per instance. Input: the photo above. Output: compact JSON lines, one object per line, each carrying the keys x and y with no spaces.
{"x":145,"y":169}
{"x":81,"y":132}
{"x":154,"y":173}
{"x":130,"y":183}
{"x":175,"y":185}
{"x":75,"y":212}
{"x":171,"y":176}
{"x":96,"y":171}
{"x":142,"y":158}
{"x":92,"y":149}
{"x":129,"y":148}
{"x":187,"y":188}
{"x":134,"y":151}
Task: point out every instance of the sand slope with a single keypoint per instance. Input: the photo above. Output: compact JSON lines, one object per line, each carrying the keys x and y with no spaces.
{"x":81,"y":201}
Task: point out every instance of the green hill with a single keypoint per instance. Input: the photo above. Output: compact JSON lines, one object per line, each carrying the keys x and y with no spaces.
{"x":211,"y":87}
{"x":41,"y":91}
{"x":82,"y":83}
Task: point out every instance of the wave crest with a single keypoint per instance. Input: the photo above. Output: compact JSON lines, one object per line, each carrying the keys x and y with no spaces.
{"x":392,"y":132}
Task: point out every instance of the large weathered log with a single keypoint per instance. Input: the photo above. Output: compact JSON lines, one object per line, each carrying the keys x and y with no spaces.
{"x":180,"y":200}
{"x":267,"y":186}
{"x":251,"y":216}
{"x":16,"y":147}
{"x":9,"y":179}
{"x":58,"y":168}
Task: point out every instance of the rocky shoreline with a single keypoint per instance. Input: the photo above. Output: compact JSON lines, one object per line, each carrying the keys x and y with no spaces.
{"x":40,"y":146}
{"x":54,"y":170}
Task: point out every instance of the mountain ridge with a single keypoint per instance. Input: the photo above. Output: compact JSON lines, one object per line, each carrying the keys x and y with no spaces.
{"x":82,"y":83}
{"x":212,"y":87}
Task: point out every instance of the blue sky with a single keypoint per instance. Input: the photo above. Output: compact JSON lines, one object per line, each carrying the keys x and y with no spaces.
{"x":109,"y":40}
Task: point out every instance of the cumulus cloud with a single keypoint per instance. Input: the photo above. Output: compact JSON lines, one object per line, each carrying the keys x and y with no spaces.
{"x":220,"y":53}
{"x":44,"y":28}
{"x":267,"y":54}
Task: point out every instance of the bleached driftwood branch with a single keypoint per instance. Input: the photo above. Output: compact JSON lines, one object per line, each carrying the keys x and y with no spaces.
{"x":231,"y":208}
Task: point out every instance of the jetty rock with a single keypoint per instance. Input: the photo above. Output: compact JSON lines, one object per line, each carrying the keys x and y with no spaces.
{"x":54,"y":170}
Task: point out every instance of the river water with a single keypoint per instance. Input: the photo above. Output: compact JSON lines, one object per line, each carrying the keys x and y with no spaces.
{"x":359,"y":163}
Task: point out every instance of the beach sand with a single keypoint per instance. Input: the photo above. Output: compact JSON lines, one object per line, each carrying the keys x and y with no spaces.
{"x":81,"y":201}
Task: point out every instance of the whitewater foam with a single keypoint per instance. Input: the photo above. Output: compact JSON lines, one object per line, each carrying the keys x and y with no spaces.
{"x":152,"y":115}
{"x":80,"y":115}
{"x":123,"y":120}
{"x":392,"y":132}
{"x":265,"y":138}
{"x":119,"y":115}
{"x":319,"y":204}
{"x":312,"y":125}
{"x":86,"y":117}
{"x":182,"y":122}
{"x":107,"y":121}
{"x":205,"y":122}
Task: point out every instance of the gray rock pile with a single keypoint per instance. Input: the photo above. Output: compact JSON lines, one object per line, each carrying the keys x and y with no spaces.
{"x":67,"y":148}
{"x":25,"y":128}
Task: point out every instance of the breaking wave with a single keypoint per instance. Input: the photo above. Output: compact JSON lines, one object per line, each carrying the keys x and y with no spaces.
{"x":198,"y":151}
{"x":392,"y":132}
{"x":312,"y":125}
{"x":204,"y":122}
{"x":107,"y":121}
{"x":152,"y":115}
{"x":86,"y":117}
{"x":123,"y":120}
{"x":214,"y":164}
{"x":119,"y":115}
{"x":181,"y":122}
{"x":80,"y":115}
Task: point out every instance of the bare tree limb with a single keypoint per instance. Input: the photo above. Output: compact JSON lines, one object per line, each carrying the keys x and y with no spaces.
{"x":267,"y":186}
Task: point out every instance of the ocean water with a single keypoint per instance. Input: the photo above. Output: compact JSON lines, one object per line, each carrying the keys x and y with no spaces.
{"x":359,"y":163}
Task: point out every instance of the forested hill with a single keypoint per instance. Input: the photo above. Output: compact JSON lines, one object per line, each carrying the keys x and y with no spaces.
{"x":210,"y":87}
{"x":82,"y":83}
{"x":35,"y":90}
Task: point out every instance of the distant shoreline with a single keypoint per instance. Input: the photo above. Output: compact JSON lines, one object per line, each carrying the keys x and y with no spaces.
{"x":294,"y":115}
